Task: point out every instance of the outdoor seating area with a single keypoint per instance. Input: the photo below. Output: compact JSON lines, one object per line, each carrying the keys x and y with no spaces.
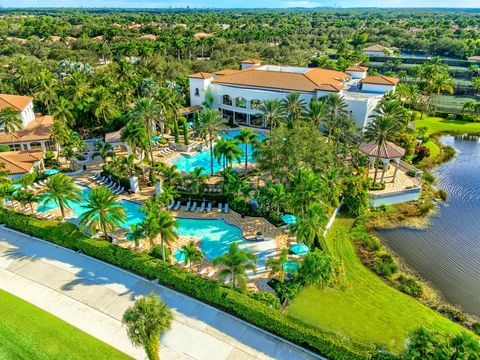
{"x":115,"y":187}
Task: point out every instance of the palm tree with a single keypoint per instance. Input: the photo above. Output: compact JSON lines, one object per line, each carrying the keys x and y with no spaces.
{"x":10,"y":121}
{"x":6,"y":192}
{"x":308,"y":188}
{"x":159,"y":223}
{"x":61,"y":190}
{"x":278,"y":196}
{"x":235,"y":263}
{"x":272,"y":112}
{"x":104,"y":150}
{"x":381,"y":130}
{"x":25,"y":197}
{"x":337,"y":109}
{"x":276,"y":266}
{"x":209,"y":124}
{"x":196,"y":179}
{"x":219,"y":151}
{"x":146,"y":321}
{"x":103,"y":211}
{"x":247,"y":137}
{"x":147,"y":110}
{"x":317,"y":268}
{"x":170,"y":175}
{"x":311,"y":227}
{"x":293,"y":106}
{"x":317,"y":111}
{"x":136,"y":234}
{"x":130,"y":163}
{"x":62,"y":111}
{"x":192,"y":253}
{"x":232,"y":152}
{"x":135,"y":135}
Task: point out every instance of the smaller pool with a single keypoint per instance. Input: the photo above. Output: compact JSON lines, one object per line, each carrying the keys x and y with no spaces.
{"x":202,"y":159}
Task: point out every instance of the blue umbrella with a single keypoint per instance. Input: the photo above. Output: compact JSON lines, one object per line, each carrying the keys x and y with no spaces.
{"x":289,"y":219}
{"x":190,"y":123}
{"x":17,"y":186}
{"x":290,"y":266}
{"x":156,"y":138}
{"x":299,"y":249}
{"x":180,"y":255}
{"x":51,"y":172}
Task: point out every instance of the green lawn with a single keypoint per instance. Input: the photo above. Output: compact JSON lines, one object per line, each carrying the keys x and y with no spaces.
{"x":441,"y":125}
{"x":368,"y":310}
{"x":27,"y":332}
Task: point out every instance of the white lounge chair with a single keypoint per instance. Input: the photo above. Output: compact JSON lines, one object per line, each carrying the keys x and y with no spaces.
{"x":203,"y":271}
{"x":120,"y":191}
{"x":179,"y":203}
{"x":220,"y":207}
{"x":187,"y":207}
{"x":172,"y":204}
{"x":209,"y":207}
{"x":226,"y":209}
{"x":202,"y":208}
{"x":194,"y":206}
{"x":211,"y":273}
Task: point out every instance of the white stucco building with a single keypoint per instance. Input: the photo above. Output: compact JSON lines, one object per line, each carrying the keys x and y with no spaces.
{"x":378,"y":50}
{"x":239,"y":93}
{"x":35,"y":131}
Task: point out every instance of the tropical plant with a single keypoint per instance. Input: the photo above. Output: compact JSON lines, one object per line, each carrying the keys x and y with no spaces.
{"x":61,"y":190}
{"x":276,"y":265}
{"x":310,"y":228}
{"x":235,"y":264}
{"x":146,"y":321}
{"x":134,"y":134}
{"x":103,"y":150}
{"x":136,"y":234}
{"x":317,"y":112}
{"x":293,"y":106}
{"x":25,"y":197}
{"x":247,"y":137}
{"x":317,"y":269}
{"x":208,"y":126}
{"x":10,"y":120}
{"x":196,"y":179}
{"x":272,"y":113}
{"x":192,"y":253}
{"x":147,"y":110}
{"x":337,"y":110}
{"x":159,"y":223}
{"x":102,"y":212}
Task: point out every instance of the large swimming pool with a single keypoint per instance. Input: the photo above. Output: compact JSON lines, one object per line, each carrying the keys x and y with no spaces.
{"x":202,"y":158}
{"x":215,"y":234}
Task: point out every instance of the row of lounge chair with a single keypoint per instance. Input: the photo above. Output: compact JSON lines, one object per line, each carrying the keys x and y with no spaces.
{"x":109,"y":183}
{"x":204,"y":207}
{"x":209,"y":190}
{"x":164,"y":152}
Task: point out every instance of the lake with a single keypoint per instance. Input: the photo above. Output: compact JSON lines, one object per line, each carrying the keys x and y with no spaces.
{"x":447,"y":253}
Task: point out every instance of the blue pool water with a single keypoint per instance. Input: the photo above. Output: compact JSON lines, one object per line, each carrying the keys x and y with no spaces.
{"x":215,"y":234}
{"x":202,"y":159}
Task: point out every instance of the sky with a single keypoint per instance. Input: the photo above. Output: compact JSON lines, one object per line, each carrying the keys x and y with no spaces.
{"x":240,"y":3}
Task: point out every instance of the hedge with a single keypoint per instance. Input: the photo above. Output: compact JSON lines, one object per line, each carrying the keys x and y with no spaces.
{"x":256,"y":312}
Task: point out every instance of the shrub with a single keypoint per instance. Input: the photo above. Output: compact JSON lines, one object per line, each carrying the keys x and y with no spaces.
{"x":156,"y":252}
{"x":411,"y":173}
{"x":255,"y":309}
{"x":476,"y":327}
{"x":376,"y":186}
{"x":385,"y":265}
{"x":365,"y":240}
{"x":442,"y":194}
{"x":409,"y":286}
{"x":4,"y":148}
{"x":453,"y":314}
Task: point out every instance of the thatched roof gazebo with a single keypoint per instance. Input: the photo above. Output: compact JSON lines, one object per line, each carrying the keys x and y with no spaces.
{"x":385,"y":152}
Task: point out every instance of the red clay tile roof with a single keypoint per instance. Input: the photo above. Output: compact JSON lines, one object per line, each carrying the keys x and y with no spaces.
{"x":380,"y":80}
{"x":20,"y":162}
{"x":376,"y":47}
{"x":226,"y":72}
{"x":38,"y":130}
{"x":17,"y":102}
{"x":201,"y":75}
{"x":251,"y":61}
{"x":357,"y":68}
{"x":310,"y":80}
{"x":190,"y":109}
{"x":387,"y":151}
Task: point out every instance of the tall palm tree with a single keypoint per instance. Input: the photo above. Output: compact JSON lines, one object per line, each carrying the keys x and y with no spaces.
{"x":220,"y":150}
{"x":104,"y":107}
{"x":293,"y":105}
{"x":232,"y":152}
{"x":311,"y":227}
{"x":136,"y":234}
{"x":147,"y":110}
{"x":61,"y":134}
{"x":235,"y":263}
{"x":272,"y":112}
{"x":159,"y":223}
{"x":337,"y":109}
{"x":247,"y":137}
{"x":196,"y":179}
{"x":130,"y":164}
{"x":135,"y":135}
{"x":317,"y":112}
{"x":381,"y":130}
{"x":278,"y":196}
{"x":61,"y":190}
{"x":170,"y":175}
{"x":102,"y":211}
{"x":276,"y":266}
{"x":10,"y":120}
{"x":146,"y":321}
{"x":209,"y":124}
{"x":62,"y":111}
{"x":308,"y":188}
{"x":192,"y":253}
{"x":103,"y":150}
{"x":25,"y":197}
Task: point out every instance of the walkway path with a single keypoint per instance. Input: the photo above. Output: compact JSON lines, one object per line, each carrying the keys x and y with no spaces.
{"x":93,"y":295}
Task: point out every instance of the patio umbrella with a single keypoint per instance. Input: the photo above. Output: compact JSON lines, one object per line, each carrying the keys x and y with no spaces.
{"x":156,"y":138}
{"x":51,"y":172}
{"x":299,"y":249}
{"x":289,"y":219}
{"x":180,"y":255}
{"x":290,"y":266}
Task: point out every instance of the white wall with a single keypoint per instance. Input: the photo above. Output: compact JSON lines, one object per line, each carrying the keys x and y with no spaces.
{"x":377,"y":53}
{"x":357,"y":74}
{"x":202,"y":86}
{"x":378,"y":88}
{"x":361,"y":110}
{"x":27,"y":115}
{"x":246,"y":66}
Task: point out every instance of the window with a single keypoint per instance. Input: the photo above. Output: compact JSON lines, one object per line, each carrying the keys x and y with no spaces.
{"x":240,"y":102}
{"x":255,"y":104}
{"x":227,"y":100}
{"x":197,"y":92}
{"x":15,"y":147}
{"x":256,"y":120}
{"x":35,"y":146}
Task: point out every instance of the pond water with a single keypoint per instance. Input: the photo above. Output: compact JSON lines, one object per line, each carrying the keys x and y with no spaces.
{"x":447,"y":253}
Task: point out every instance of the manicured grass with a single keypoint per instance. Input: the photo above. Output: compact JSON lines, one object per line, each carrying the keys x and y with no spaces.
{"x":441,"y":125}
{"x":367,"y":310}
{"x":27,"y":332}
{"x":434,"y":149}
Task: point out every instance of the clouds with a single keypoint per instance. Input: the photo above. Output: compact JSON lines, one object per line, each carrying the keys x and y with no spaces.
{"x":238,"y":3}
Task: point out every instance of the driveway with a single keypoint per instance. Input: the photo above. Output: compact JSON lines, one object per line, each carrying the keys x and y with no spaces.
{"x":92,"y":296}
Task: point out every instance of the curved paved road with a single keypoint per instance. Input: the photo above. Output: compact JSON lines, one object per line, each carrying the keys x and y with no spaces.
{"x":93,"y":295}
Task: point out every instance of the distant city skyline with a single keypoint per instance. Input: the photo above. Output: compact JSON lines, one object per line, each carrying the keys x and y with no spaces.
{"x":242,"y":3}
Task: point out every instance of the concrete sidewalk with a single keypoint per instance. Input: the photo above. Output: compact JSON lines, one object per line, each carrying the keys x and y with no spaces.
{"x":93,"y":296}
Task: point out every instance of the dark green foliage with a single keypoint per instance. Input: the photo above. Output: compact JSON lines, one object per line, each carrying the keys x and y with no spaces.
{"x":409,"y":286}
{"x":476,"y":327}
{"x":385,"y":265}
{"x":360,"y":235}
{"x":257,"y":311}
{"x":156,"y":252}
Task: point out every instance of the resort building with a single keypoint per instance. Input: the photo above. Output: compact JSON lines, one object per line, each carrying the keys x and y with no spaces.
{"x":378,"y":50}
{"x":475,"y":59}
{"x":239,"y":93}
{"x":35,"y":131}
{"x":19,"y":163}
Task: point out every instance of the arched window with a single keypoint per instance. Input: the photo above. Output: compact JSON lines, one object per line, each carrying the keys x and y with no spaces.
{"x":227,"y":100}
{"x":197,"y":92}
{"x":255,"y":104}
{"x":240,"y":102}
